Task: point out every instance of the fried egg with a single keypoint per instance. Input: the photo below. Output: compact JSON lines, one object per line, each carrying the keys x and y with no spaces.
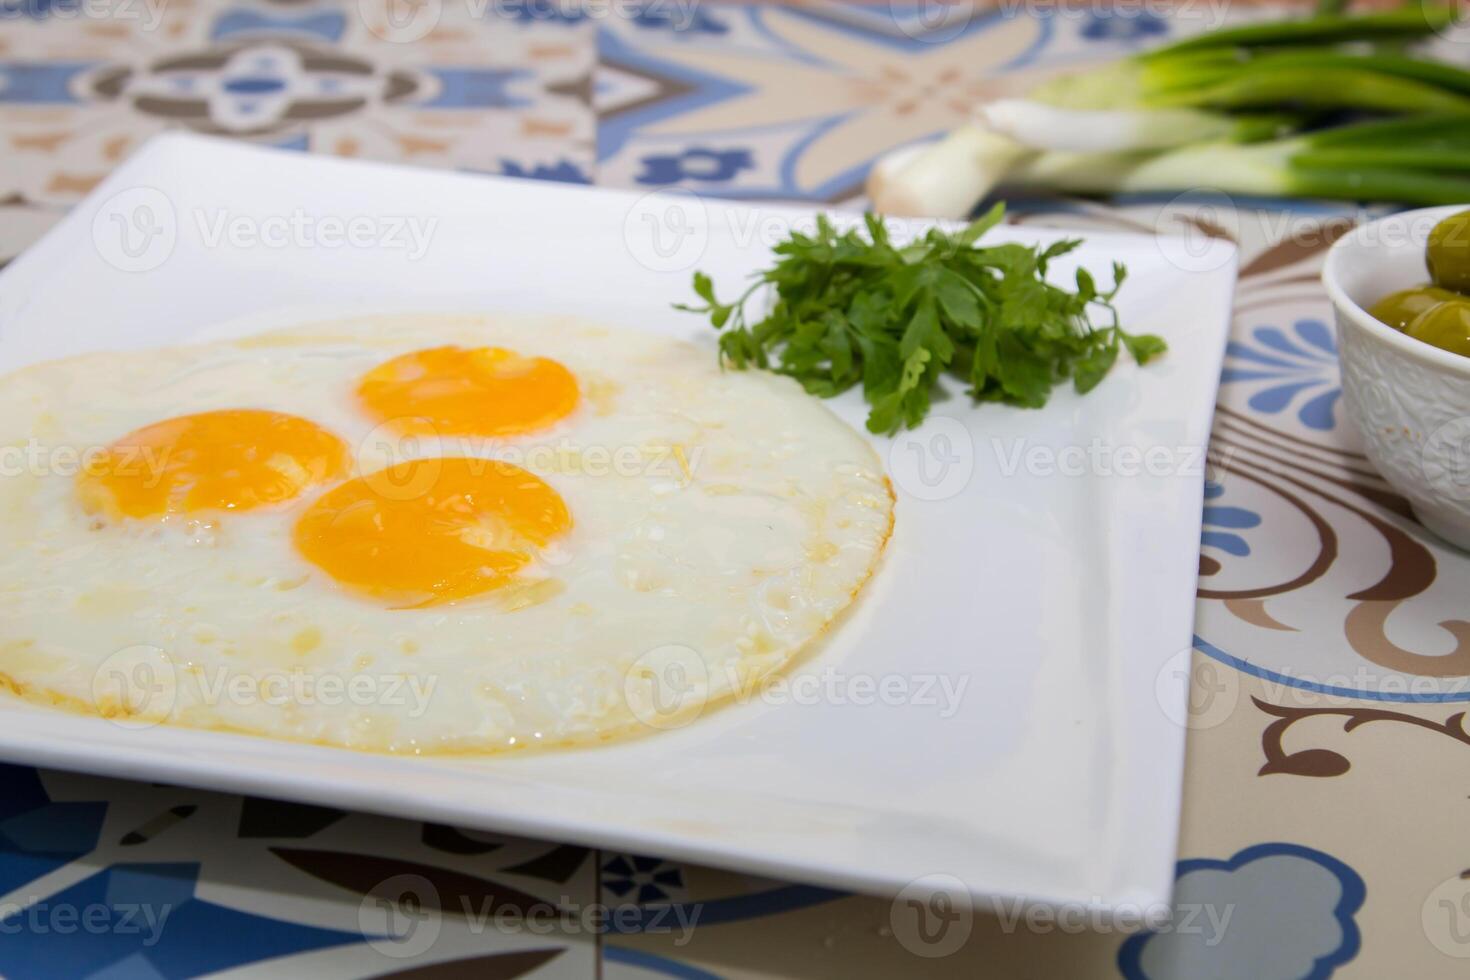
{"x":422,"y":534}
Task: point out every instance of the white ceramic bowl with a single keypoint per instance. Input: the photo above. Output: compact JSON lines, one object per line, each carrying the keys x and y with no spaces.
{"x":1410,"y":401}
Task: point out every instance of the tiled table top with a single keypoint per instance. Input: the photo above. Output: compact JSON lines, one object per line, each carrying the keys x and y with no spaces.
{"x":1324,"y":817}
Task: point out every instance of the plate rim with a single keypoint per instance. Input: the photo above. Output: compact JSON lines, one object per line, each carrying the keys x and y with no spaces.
{"x":80,"y":752}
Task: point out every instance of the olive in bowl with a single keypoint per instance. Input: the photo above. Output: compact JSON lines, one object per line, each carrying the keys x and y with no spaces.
{"x":1405,"y":387}
{"x":1447,"y":253}
{"x":1445,"y":325}
{"x":1398,"y":309}
{"x":1437,"y":313}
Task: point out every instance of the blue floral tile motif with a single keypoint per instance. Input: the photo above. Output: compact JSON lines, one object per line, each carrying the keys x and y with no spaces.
{"x":642,"y":879}
{"x":651,"y":15}
{"x":144,"y":920}
{"x":37,"y":835}
{"x":542,"y":12}
{"x":1292,"y":371}
{"x":477,"y":88}
{"x":566,"y":171}
{"x":648,"y":963}
{"x":236,"y":24}
{"x":1123,"y":25}
{"x":815,"y":92}
{"x":1230,"y":519}
{"x":695,"y":163}
{"x":660,"y":15}
{"x":1291,"y":915}
{"x":262,"y":86}
{"x":48,"y":83}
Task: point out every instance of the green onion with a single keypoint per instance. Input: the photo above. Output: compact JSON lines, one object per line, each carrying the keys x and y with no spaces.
{"x":1324,"y":86}
{"x":1435,"y":73}
{"x":1414,"y":20}
{"x":1433,"y":142}
{"x":1370,"y":161}
{"x":1248,"y":98}
{"x":1042,"y":126}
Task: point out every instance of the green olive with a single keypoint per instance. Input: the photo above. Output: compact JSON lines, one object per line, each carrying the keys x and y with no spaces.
{"x":1446,"y":326}
{"x":1448,"y":253}
{"x":1399,"y":309}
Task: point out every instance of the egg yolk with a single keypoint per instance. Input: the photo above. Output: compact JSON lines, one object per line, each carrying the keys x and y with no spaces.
{"x":432,"y":530}
{"x":231,"y":460}
{"x":481,"y":391}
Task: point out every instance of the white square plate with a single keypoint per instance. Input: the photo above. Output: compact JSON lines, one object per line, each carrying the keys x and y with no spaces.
{"x":1052,"y":573}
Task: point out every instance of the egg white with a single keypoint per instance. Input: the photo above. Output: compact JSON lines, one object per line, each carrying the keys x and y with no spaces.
{"x":721,"y":515}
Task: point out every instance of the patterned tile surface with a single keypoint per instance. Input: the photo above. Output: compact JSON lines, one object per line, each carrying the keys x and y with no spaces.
{"x":493,"y":94}
{"x":1323,"y":813}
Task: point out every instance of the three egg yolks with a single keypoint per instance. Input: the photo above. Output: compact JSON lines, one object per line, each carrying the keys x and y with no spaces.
{"x":416,"y":533}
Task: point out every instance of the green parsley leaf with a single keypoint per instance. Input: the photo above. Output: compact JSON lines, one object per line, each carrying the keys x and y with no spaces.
{"x":847,"y":309}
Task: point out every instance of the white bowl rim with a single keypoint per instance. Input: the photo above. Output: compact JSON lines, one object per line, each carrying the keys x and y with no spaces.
{"x":1457,"y":364}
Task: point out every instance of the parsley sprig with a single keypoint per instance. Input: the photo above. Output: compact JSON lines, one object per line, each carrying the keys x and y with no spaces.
{"x":896,"y":318}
